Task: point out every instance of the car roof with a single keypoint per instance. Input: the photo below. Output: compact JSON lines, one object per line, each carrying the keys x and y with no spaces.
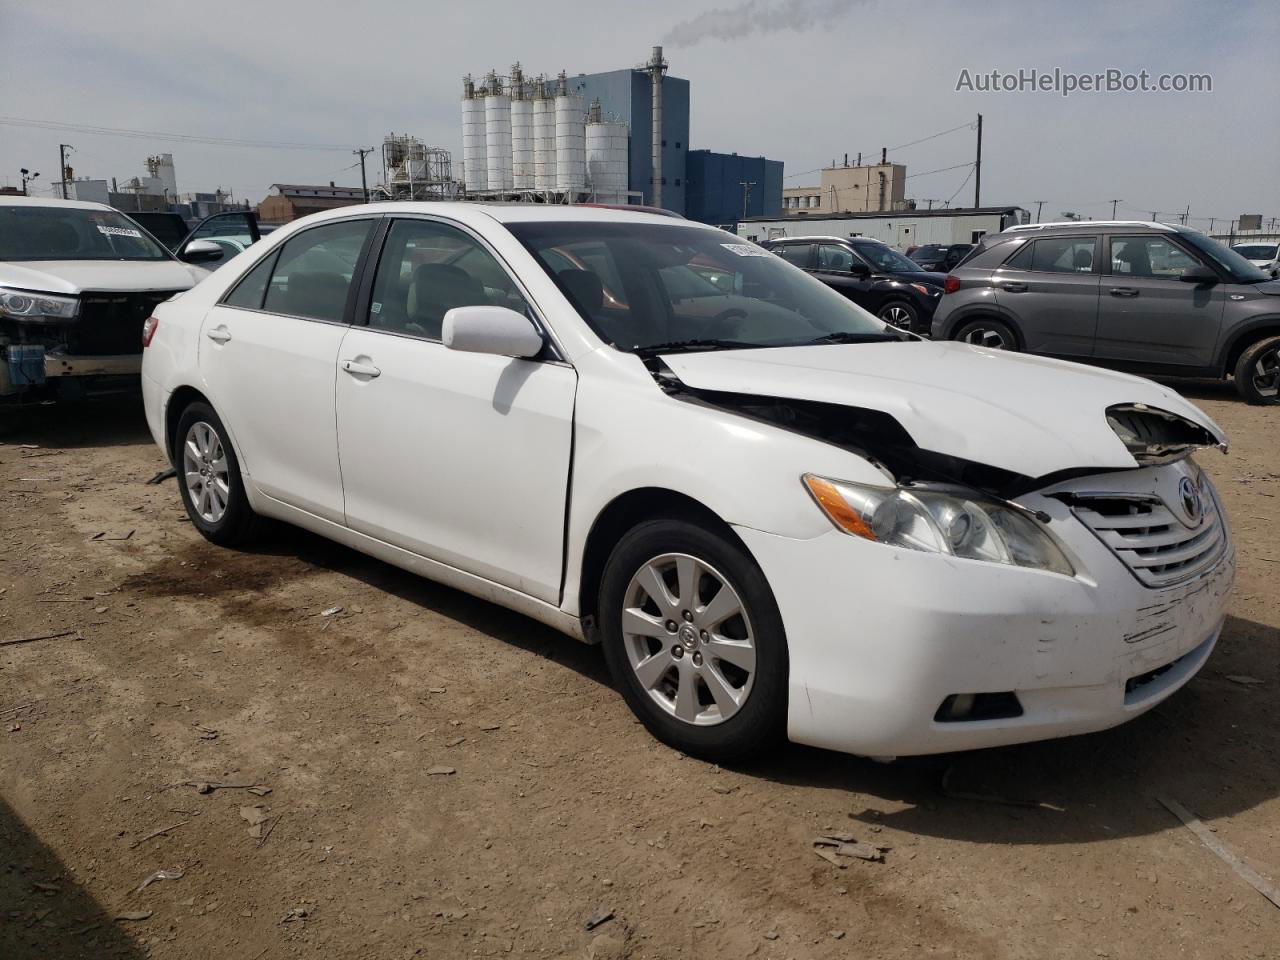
{"x":469,"y":211}
{"x":8,"y":201}
{"x":815,"y":237}
{"x":1056,"y":225}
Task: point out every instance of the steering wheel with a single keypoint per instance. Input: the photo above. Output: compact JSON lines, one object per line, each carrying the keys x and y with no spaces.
{"x":724,"y":316}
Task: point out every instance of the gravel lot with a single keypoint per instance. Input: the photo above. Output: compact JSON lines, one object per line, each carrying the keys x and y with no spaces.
{"x":184,"y":664}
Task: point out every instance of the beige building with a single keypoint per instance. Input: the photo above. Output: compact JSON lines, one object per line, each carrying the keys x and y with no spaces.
{"x":846,"y":189}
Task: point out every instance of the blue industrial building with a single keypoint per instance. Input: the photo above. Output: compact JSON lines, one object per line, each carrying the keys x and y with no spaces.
{"x":723,"y":188}
{"x":627,"y":96}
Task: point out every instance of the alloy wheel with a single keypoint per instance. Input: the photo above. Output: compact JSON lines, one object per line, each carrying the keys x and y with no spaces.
{"x":896,"y":315}
{"x":205,"y":472}
{"x":1266,"y":373}
{"x":688,"y":639}
{"x":984,"y":337}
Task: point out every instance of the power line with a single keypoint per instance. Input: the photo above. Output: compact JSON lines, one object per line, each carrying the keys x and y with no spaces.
{"x":972,"y":167}
{"x":968,"y":125}
{"x":159,"y":135}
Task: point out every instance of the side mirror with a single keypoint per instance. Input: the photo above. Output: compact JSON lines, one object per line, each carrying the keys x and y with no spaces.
{"x":860,"y":270}
{"x":497,"y":330}
{"x":200,"y":251}
{"x":1198,"y":274}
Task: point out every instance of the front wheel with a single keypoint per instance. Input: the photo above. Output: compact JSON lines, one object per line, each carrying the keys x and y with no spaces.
{"x":1257,"y":372}
{"x":991,"y":334}
{"x":900,"y":314}
{"x":694,"y":640}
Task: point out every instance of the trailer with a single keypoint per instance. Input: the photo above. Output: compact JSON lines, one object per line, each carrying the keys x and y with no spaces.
{"x":901,"y":229}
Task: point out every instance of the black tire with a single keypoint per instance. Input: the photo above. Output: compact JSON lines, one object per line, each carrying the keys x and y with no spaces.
{"x":992,"y":334}
{"x":759,"y":723}
{"x":1257,"y":372}
{"x":900,"y":314}
{"x":237,"y":524}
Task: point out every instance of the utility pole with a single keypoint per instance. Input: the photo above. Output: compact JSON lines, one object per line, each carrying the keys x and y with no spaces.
{"x":62,"y":166}
{"x":1186,"y":214}
{"x":977,"y":169}
{"x":364,"y":185}
{"x":1039,"y":206}
{"x":1113,"y":208}
{"x":27,"y":177}
{"x":1211,"y":219}
{"x":746,"y":192}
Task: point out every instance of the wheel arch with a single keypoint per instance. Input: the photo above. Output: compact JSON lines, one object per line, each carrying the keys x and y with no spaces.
{"x":179,"y":400}
{"x":987,"y":313}
{"x":1243,"y":339}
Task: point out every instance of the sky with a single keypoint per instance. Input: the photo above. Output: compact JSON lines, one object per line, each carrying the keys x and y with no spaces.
{"x":801,"y":81}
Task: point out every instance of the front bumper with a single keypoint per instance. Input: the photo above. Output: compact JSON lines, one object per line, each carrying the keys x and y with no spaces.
{"x":113,"y":365}
{"x":880,"y":637}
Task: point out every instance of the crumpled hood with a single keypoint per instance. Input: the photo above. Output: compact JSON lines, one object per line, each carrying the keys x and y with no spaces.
{"x":76,"y":276}
{"x":1030,"y":415}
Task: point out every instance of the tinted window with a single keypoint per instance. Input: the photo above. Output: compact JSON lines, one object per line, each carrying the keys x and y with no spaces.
{"x":832,"y":256}
{"x":1056,"y":255}
{"x":426,"y":270}
{"x":313,"y":273}
{"x":1148,"y":257}
{"x":73,"y":233}
{"x":253,"y":286}
{"x":883,"y":257}
{"x":797,"y":253}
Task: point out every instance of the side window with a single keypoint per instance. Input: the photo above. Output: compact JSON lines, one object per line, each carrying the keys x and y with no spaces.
{"x":796,"y":253}
{"x":1148,"y":257}
{"x":832,"y":256}
{"x":1056,"y":255}
{"x":314,"y":270}
{"x":426,"y":270}
{"x":252,"y":288}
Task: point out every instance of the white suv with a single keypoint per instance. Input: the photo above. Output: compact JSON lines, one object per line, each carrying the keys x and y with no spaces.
{"x":77,"y":280}
{"x":776,"y":513}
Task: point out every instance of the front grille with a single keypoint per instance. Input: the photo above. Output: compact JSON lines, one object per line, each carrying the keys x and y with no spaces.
{"x":1151,"y":541}
{"x":111,"y":323}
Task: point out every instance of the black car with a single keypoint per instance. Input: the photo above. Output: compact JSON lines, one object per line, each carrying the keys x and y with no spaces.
{"x":871,"y":274}
{"x":940,"y":257}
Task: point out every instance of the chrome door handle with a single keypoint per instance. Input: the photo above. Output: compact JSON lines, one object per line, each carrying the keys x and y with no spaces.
{"x":218,"y":334}
{"x":1013,"y":287}
{"x":358,"y":369}
{"x":1124,"y":291}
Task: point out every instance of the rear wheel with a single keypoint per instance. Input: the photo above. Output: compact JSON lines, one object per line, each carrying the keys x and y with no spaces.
{"x":1257,"y":372}
{"x":694,"y":640}
{"x":991,"y":334}
{"x":900,"y":314}
{"x":209,"y":478}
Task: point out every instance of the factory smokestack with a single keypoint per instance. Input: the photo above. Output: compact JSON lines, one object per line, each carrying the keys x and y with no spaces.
{"x":656,"y":67}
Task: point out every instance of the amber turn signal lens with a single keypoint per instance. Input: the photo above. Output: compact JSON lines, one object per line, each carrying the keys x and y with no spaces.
{"x":837,"y":508}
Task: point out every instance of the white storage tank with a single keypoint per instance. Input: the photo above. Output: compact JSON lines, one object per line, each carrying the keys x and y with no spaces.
{"x":475,"y":164}
{"x":571,"y":140}
{"x":522,"y":176}
{"x":607,"y":146}
{"x":544,"y":137}
{"x":497,"y":118}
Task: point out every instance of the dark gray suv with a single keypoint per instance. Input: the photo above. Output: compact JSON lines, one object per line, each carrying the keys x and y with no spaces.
{"x":1153,"y":298}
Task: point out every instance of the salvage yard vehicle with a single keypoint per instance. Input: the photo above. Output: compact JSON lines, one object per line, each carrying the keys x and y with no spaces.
{"x":77,"y":281}
{"x":782,"y":517}
{"x":1151,"y":298}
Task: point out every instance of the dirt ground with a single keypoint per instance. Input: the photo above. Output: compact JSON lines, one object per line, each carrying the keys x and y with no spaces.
{"x":183,"y":664}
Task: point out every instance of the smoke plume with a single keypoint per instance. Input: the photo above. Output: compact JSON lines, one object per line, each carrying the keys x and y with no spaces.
{"x":757,"y":16}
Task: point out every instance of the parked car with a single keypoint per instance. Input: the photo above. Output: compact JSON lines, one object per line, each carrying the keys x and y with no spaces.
{"x":782,"y":517}
{"x":77,"y":280}
{"x":939,"y":257}
{"x":231,"y":231}
{"x":870,"y":273}
{"x":1264,"y":256}
{"x":1153,"y":298}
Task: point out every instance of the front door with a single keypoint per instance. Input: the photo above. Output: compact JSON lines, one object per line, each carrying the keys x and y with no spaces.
{"x":839,"y":268}
{"x":459,"y":457}
{"x":268,"y":353}
{"x":1147,"y":314}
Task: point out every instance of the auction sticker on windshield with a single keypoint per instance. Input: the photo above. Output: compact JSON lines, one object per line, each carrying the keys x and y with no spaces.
{"x":119,"y":232}
{"x":746,"y":250}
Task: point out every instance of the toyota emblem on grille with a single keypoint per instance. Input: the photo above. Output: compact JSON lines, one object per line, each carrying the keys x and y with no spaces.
{"x":1192,"y":505}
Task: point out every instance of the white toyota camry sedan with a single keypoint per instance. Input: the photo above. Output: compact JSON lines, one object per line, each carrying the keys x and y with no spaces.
{"x":777,"y":515}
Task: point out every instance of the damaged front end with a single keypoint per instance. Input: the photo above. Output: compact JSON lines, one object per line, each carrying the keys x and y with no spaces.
{"x":1153,"y":436}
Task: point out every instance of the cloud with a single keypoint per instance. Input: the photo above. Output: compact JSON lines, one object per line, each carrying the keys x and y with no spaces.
{"x":758,"y":16}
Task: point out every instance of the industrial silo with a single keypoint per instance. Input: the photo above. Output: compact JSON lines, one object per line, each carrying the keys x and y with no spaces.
{"x":607,"y":157}
{"x":571,"y":137}
{"x":475,"y":164}
{"x":522,"y":163}
{"x":544,"y":137}
{"x":497,"y":124}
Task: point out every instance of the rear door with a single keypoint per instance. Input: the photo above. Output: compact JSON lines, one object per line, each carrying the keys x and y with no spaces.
{"x":268,"y":355}
{"x":798,"y":254}
{"x":840,"y":268}
{"x":459,"y":457}
{"x":1050,"y":287}
{"x":1147,"y":314}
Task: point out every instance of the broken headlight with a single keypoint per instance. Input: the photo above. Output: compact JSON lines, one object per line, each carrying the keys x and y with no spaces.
{"x":37,"y":307}
{"x":950,"y":523}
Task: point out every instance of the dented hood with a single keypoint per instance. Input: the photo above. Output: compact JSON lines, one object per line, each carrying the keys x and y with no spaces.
{"x":1030,"y":415}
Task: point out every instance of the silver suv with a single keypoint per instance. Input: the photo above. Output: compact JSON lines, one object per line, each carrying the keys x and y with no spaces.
{"x":1153,"y":298}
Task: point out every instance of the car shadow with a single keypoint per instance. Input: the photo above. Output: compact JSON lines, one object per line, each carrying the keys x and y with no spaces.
{"x":108,"y":421}
{"x":46,"y":913}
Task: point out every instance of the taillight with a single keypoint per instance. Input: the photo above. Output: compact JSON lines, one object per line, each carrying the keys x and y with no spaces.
{"x":951,"y":283}
{"x":149,"y":330}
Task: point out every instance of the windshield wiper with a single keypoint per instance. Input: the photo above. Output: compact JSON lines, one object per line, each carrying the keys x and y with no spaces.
{"x":844,"y":336}
{"x":684,"y":346}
